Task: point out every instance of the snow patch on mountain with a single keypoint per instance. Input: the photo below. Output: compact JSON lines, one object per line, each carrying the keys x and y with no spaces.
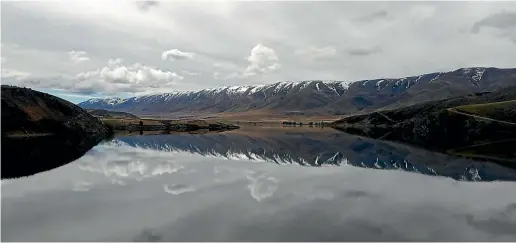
{"x":379,"y":83}
{"x":112,"y":101}
{"x":256,"y":89}
{"x":287,"y":86}
{"x":435,"y":78}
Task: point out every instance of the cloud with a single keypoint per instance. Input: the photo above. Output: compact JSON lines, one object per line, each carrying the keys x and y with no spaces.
{"x":146,"y":5}
{"x":424,"y":37}
{"x":227,"y":65}
{"x":78,"y":56}
{"x":176,"y":55}
{"x":502,"y":20}
{"x":115,"y":61}
{"x":422,"y":12}
{"x":372,"y":17}
{"x":14,"y":74}
{"x":186,"y":72}
{"x":111,"y":79}
{"x":314,"y":52}
{"x":262,"y":60}
{"x":220,"y":76}
{"x":119,"y":78}
{"x":357,"y":51}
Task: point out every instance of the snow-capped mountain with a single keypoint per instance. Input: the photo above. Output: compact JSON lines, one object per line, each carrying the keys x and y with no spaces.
{"x":316,"y":96}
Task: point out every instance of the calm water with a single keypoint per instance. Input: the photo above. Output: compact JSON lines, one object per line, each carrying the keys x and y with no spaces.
{"x":261,"y":184}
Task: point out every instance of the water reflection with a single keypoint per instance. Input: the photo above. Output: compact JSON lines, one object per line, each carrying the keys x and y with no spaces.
{"x":261,"y":185}
{"x":322,"y":148}
{"x":23,"y":156}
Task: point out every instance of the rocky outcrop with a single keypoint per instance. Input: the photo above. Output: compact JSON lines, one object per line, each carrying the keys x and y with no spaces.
{"x":41,"y":131}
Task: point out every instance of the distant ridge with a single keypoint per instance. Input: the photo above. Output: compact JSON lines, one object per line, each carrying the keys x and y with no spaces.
{"x":316,"y":96}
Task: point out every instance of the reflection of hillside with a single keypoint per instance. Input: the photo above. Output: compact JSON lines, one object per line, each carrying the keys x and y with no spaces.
{"x":323,"y":148}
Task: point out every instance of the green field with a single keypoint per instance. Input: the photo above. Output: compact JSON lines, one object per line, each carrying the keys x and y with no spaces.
{"x":503,"y":111}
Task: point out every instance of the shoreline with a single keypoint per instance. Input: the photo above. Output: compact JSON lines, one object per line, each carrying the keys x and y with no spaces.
{"x":141,"y":125}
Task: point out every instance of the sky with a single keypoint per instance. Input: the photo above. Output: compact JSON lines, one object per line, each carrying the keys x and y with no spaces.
{"x":87,"y":49}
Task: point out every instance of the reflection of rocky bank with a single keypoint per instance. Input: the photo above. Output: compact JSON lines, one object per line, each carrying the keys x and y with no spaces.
{"x":323,"y":148}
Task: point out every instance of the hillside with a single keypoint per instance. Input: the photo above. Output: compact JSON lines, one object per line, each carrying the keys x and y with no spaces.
{"x":41,"y":131}
{"x":444,"y":124}
{"x":314,"y":97}
{"x":111,"y":114}
{"x":503,"y":111}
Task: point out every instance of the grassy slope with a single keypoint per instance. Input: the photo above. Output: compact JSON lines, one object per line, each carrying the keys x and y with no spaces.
{"x":504,"y":111}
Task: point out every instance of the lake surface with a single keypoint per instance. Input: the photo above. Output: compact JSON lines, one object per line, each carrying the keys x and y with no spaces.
{"x":262,"y":184}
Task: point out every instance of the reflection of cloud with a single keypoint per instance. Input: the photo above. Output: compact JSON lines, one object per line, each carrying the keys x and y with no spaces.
{"x":261,"y":186}
{"x":81,"y":186}
{"x":137,"y":170}
{"x":323,"y":195}
{"x":177,"y":189}
{"x":501,"y":223}
{"x":190,"y":171}
{"x":120,"y":163}
{"x":147,"y":235}
{"x":224,"y":174}
{"x":357,"y":194}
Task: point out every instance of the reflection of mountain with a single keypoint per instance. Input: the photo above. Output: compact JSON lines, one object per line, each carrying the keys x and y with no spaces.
{"x":323,"y":148}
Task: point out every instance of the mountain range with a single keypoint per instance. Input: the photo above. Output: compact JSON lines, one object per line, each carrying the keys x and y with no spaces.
{"x":315,"y":96}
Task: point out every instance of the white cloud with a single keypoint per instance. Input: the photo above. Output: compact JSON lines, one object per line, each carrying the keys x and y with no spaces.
{"x":227,"y":66}
{"x":314,"y":52}
{"x":78,"y":56}
{"x":14,"y":74}
{"x":111,"y":79}
{"x":134,"y":78}
{"x":220,"y":76}
{"x":115,"y":61}
{"x":190,"y":73}
{"x":262,"y":60}
{"x":177,"y":55}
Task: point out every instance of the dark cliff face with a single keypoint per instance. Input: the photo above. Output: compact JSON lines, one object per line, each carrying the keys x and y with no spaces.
{"x":41,"y":131}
